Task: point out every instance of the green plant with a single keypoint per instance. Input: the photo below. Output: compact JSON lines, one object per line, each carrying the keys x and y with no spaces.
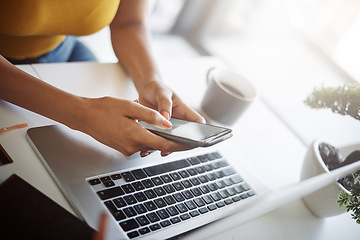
{"x":343,"y":100}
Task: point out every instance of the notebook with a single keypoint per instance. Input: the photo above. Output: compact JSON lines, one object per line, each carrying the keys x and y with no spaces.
{"x":155,"y":197}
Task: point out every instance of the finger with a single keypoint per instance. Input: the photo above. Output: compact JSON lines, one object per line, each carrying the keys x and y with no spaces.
{"x":99,"y":235}
{"x":188,"y":113}
{"x":165,"y":106}
{"x":140,"y":112}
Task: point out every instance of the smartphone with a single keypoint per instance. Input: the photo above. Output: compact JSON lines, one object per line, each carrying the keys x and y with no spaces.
{"x":191,"y":133}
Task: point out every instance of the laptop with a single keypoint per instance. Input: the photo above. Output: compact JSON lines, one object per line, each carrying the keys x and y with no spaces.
{"x":152,"y":197}
{"x":156,"y":197}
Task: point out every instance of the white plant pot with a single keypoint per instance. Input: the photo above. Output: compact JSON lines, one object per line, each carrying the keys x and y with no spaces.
{"x":323,"y":203}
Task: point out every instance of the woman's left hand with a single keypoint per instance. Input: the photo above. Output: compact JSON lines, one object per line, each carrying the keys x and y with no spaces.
{"x":158,"y":96}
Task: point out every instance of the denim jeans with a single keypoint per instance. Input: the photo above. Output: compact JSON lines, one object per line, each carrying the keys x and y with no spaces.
{"x":70,"y":50}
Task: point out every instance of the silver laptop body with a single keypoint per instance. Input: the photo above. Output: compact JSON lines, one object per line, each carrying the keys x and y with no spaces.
{"x":75,"y":160}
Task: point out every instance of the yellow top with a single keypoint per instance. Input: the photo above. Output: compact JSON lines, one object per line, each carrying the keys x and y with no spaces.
{"x":30,"y":28}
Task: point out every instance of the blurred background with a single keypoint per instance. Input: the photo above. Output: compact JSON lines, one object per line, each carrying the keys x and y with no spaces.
{"x":286,"y":47}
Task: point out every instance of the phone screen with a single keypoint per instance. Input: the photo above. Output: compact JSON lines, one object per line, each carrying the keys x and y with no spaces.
{"x":189,"y":130}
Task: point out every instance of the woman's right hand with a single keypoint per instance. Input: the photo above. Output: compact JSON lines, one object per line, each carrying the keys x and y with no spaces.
{"x":113,"y":122}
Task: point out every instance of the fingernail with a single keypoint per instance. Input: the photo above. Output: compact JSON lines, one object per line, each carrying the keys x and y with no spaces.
{"x":167,"y":123}
{"x":144,"y":154}
{"x":165,"y":154}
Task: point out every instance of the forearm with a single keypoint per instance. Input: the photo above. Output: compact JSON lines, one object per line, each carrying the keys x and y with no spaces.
{"x":131,"y":44}
{"x":26,"y":91}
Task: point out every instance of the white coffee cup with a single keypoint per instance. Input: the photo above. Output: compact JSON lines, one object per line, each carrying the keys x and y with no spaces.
{"x":227,"y":96}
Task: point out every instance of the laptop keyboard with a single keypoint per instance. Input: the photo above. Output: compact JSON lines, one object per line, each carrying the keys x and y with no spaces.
{"x":151,"y":198}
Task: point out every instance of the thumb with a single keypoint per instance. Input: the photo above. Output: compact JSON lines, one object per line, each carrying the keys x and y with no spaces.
{"x":165,"y":106}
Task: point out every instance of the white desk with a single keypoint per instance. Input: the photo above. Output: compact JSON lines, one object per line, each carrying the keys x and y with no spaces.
{"x":270,"y":148}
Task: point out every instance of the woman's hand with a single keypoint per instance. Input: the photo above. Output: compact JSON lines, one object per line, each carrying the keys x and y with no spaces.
{"x":113,"y":122}
{"x":156,"y":95}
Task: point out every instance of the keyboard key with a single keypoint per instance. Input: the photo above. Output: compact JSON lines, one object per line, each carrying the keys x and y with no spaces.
{"x":105,"y":179}
{"x":200,"y":169}
{"x":140,"y":208}
{"x":117,"y":214}
{"x":160,"y":202}
{"x":231,"y":191}
{"x":203,"y":158}
{"x":245,"y":186}
{"x":129,"y":225}
{"x":220,"y":204}
{"x":217,"y":155}
{"x":184,"y":173}
{"x":142,"y":220}
{"x":228,"y":201}
{"x":220,"y":184}
{"x":185,"y":216}
{"x":160,"y":191}
{"x":175,"y":176}
{"x":204,"y":189}
{"x":203,"y":179}
{"x":110,"y":193}
{"x":155,"y":227}
{"x":190,"y":205}
{"x":224,"y":163}
{"x":116,"y":176}
{"x":163,"y":214}
{"x":210,"y":156}
{"x":119,"y":202}
{"x":166,"y":178}
{"x":236,"y":178}
{"x":128,"y":177}
{"x":211,"y":176}
{"x":179,"y":197}
{"x":128,"y":188}
{"x":172,"y":211}
{"x":194,"y":160}
{"x":130,"y":212}
{"x":144,"y":231}
{"x":150,"y":205}
{"x":169,"y":200}
{"x":133,"y":234}
{"x":216,"y":165}
{"x":95,"y":181}
{"x":219,"y":174}
{"x":186,"y":183}
{"x":212,"y":207}
{"x":150,"y":193}
{"x":165,"y":223}
{"x":196,"y":191}
{"x":130,"y":199}
{"x":208,"y":167}
{"x":228,"y":182}
{"x":138,"y":174}
{"x":229,"y":171}
{"x":157,"y":181}
{"x":147,"y":183}
{"x":224,"y":194}
{"x":153,"y":217}
{"x":215,"y":196}
{"x":207,"y":199}
{"x":212,"y":187}
{"x":109,"y":184}
{"x":178,"y":186}
{"x":203,"y":210}
{"x":181,"y":207}
{"x":236,"y":198}
{"x":166,"y":167}
{"x":138,"y":186}
{"x":187,"y":194}
{"x":199,"y":202}
{"x":169,"y":188}
{"x":194,"y":213}
{"x":192,"y":171}
{"x":140,"y":196}
{"x":195,"y":181}
{"x":175,"y":220}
